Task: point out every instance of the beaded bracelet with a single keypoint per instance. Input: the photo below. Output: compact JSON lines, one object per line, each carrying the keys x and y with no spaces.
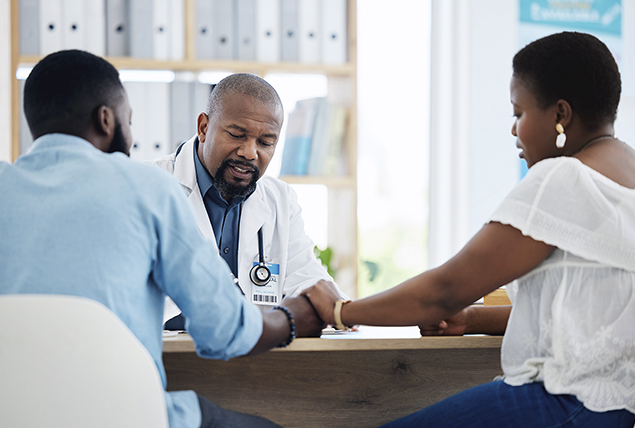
{"x":287,"y":312}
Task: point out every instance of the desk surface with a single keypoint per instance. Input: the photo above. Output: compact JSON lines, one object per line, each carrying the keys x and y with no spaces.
{"x":355,"y":379}
{"x":366,"y":339}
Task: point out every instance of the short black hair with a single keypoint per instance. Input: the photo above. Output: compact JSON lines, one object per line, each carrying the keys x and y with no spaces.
{"x":246,"y":84}
{"x":575,"y":67}
{"x":64,"y":90}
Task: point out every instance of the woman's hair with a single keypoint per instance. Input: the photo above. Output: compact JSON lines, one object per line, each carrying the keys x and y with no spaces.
{"x":575,"y":67}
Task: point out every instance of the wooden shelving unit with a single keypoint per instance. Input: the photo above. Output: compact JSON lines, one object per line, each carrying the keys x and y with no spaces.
{"x":342,"y":190}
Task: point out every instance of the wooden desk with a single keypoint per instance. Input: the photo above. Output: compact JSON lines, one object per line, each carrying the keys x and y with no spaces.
{"x":359,"y":379}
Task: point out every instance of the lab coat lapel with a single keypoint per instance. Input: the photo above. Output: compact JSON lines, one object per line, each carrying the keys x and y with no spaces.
{"x":185,"y":173}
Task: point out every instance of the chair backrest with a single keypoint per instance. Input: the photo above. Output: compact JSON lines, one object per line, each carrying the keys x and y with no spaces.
{"x":69,"y":362}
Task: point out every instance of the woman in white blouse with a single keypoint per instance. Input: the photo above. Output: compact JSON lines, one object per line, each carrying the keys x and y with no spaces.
{"x":565,"y":236}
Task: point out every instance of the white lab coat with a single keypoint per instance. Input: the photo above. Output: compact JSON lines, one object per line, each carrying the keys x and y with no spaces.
{"x":274,"y":207}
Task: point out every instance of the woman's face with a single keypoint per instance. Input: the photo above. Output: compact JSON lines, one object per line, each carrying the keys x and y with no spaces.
{"x":535,"y":128}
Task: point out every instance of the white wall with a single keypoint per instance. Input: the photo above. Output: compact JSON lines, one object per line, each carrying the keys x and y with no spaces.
{"x":473,"y":158}
{"x":5,"y":81}
{"x":625,"y":125}
{"x":474,"y":161}
{"x":494,"y":163}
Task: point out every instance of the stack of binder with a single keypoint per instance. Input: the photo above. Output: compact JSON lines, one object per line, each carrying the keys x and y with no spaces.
{"x":150,"y":29}
{"x":270,"y":31}
{"x":314,"y":142}
{"x":164,"y":115}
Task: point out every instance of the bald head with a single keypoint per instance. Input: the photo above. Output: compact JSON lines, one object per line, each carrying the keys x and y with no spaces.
{"x":244,"y":84}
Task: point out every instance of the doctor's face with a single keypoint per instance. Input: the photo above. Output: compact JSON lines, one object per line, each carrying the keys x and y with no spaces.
{"x":237,"y":142}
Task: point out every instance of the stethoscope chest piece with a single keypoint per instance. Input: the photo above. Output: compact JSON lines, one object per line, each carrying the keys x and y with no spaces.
{"x":260,"y":275}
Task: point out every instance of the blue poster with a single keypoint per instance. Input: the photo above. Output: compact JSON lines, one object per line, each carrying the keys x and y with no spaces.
{"x":589,"y":16}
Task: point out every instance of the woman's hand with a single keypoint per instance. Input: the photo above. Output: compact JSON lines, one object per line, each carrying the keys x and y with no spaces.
{"x":471,"y":320}
{"x":323,"y":296}
{"x":456,"y":325}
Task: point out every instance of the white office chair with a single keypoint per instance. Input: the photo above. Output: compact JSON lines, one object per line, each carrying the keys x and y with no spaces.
{"x":70,"y":362}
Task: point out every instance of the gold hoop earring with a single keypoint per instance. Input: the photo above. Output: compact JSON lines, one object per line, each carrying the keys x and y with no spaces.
{"x":561,"y":139}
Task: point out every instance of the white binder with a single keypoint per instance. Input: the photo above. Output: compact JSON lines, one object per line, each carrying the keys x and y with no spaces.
{"x":95,"y":26}
{"x":140,"y":115}
{"x":183,"y":125}
{"x":117,"y":28}
{"x":157,"y":104}
{"x":223,"y":29}
{"x":29,"y":27}
{"x":161,"y":30}
{"x":334,"y":38}
{"x":245,"y":26}
{"x":200,"y":98}
{"x":50,"y":26}
{"x":73,"y":24}
{"x":309,"y":31}
{"x":289,"y":30}
{"x":141,"y":31}
{"x":203,"y":29}
{"x":177,"y":30}
{"x":268,"y":30}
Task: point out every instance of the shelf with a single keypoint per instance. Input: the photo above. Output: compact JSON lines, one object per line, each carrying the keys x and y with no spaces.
{"x":348,"y":69}
{"x":342,"y":87}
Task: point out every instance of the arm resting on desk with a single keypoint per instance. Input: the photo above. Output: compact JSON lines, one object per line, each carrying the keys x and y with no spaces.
{"x":276,"y":328}
{"x":471,"y":320}
{"x":496,"y":255}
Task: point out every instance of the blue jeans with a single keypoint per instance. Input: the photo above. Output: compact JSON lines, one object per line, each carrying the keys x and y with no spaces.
{"x":499,"y":405}
{"x":214,"y":416}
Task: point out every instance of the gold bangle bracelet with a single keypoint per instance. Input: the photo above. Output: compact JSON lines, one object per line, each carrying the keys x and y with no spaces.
{"x":337,"y":314}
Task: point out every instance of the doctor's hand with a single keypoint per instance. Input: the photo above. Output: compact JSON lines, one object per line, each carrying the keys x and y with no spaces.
{"x":323,"y":296}
{"x":307,"y":321}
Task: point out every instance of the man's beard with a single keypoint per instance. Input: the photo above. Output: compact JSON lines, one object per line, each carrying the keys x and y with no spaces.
{"x":228,"y":189}
{"x":118,"y":143}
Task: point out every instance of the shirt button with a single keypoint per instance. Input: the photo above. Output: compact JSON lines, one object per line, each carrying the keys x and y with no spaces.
{"x":226,"y":250}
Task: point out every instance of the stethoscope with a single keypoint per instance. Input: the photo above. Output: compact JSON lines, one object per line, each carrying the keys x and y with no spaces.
{"x":260,"y":274}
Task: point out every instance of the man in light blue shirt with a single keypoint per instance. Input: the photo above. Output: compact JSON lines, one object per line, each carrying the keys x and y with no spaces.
{"x":78,"y":217}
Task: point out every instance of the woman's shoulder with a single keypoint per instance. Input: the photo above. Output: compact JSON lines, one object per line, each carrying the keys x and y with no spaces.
{"x":571,"y":172}
{"x":613,"y":159}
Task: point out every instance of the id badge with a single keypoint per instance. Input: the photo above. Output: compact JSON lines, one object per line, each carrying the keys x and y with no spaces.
{"x":268,"y":294}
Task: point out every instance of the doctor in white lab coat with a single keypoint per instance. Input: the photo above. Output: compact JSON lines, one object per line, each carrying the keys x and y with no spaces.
{"x":241,"y":130}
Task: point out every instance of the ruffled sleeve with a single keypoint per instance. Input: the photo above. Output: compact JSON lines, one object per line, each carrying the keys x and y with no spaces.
{"x":564,"y":203}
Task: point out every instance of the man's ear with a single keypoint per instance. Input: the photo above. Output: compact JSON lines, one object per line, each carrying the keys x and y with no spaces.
{"x":102,"y":128}
{"x":105,"y":121}
{"x":564,"y":113}
{"x":201,"y":126}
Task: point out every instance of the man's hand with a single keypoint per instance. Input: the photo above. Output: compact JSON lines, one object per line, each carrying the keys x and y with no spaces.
{"x":456,"y":325}
{"x":323,"y":296}
{"x":307,"y":321}
{"x":276,"y":328}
